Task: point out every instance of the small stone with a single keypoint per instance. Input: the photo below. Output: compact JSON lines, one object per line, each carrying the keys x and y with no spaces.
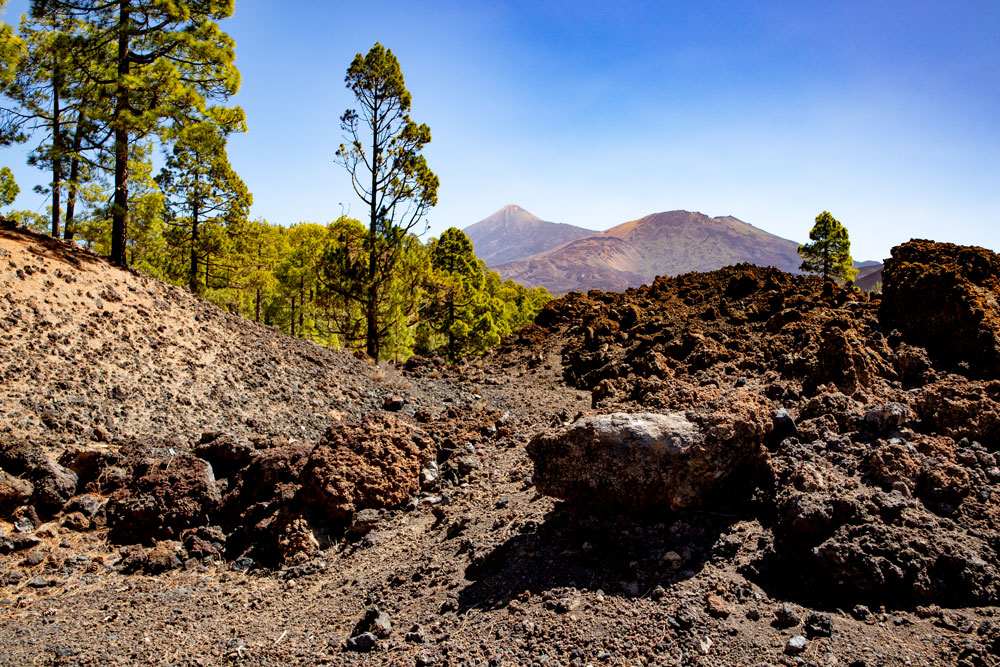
{"x":241,"y":564}
{"x":785,"y":616}
{"x":75,"y":521}
{"x":364,"y":521}
{"x":704,"y":645}
{"x":362,"y":643}
{"x":382,"y":626}
{"x":861,"y":612}
{"x":716,"y":606}
{"x":24,"y":525}
{"x":417,"y":634}
{"x":819,"y":625}
{"x":34,"y":557}
{"x":19,"y":542}
{"x":753,"y":614}
{"x":658,"y":593}
{"x":162,"y":558}
{"x":566,"y":605}
{"x":39,"y":582}
{"x":393,"y":403}
{"x":796,"y":645}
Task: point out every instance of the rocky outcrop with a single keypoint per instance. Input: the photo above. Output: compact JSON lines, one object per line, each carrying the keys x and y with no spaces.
{"x":944,"y":297}
{"x":643,"y":461}
{"x":372,"y":463}
{"x":171,"y":495}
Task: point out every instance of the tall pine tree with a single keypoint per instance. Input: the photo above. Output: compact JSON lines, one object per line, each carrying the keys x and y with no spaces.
{"x":382,"y":155}
{"x":158,"y":62}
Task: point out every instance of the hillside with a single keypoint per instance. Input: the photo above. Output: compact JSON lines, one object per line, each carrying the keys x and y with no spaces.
{"x":868,"y":275}
{"x":178,"y":486}
{"x":634,"y":253}
{"x":513,"y":234}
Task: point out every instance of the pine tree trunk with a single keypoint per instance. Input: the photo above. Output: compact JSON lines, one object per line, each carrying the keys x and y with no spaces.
{"x":302,"y":304}
{"x":195,"y":237}
{"x":119,"y":211}
{"x":57,"y":153}
{"x":74,"y":177}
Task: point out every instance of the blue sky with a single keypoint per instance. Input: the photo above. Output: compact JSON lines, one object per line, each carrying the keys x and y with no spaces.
{"x":886,"y":113}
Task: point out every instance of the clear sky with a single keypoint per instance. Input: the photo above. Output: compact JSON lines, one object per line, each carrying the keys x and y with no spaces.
{"x":884,"y":112}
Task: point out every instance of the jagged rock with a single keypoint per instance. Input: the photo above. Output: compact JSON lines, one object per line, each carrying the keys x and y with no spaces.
{"x":372,"y":463}
{"x":75,"y":521}
{"x":87,"y":504}
{"x":203,"y":541}
{"x":646,"y":460}
{"x":226,"y":453}
{"x":362,"y":643}
{"x":174,"y":494}
{"x":944,"y":297}
{"x":14,"y":492}
{"x":52,"y":484}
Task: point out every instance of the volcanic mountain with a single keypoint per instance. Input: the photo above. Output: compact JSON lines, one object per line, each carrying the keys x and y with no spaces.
{"x":635,"y":252}
{"x":512,"y":234}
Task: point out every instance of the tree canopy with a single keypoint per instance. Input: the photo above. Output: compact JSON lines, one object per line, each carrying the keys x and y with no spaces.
{"x":157,"y":63}
{"x":101,"y":87}
{"x":829,"y":254}
{"x":389,"y":175}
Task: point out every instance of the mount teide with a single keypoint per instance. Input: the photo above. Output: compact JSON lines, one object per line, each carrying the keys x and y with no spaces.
{"x":512,"y":234}
{"x":635,"y":252}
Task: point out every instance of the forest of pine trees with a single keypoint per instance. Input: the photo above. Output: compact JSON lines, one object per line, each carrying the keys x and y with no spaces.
{"x":98,"y":94}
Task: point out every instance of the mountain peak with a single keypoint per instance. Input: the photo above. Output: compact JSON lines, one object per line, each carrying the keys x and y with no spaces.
{"x":513,"y":233}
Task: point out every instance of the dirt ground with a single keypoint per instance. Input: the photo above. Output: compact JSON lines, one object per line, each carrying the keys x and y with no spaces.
{"x":476,"y":567}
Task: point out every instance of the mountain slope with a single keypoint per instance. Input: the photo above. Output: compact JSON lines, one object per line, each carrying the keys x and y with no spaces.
{"x":670,"y":243}
{"x":513,"y":234}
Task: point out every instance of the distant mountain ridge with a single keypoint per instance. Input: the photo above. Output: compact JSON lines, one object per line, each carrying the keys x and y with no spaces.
{"x":512,"y":234}
{"x":635,"y":252}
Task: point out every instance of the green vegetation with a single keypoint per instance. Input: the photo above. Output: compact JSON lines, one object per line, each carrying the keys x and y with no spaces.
{"x":100,"y":91}
{"x":829,"y":254}
{"x":8,"y":187}
{"x":390,"y":176}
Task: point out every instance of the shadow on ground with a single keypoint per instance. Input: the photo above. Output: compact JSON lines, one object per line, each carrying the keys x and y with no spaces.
{"x":618,"y":555}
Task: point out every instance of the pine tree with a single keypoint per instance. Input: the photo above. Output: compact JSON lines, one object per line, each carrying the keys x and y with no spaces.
{"x":382,"y":155}
{"x":829,"y":254}
{"x":203,"y":193}
{"x":12,"y":52}
{"x":458,"y":287}
{"x":8,"y":187}
{"x":157,"y":62}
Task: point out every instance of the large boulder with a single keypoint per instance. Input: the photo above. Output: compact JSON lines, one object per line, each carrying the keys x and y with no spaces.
{"x":647,"y":460}
{"x":52,"y":484}
{"x":945,"y":297}
{"x":371,"y":463}
{"x":172,"y":495}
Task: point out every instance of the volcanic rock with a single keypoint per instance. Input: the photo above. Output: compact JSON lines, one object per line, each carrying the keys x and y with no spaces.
{"x":14,"y":492}
{"x":646,"y":460}
{"x":174,"y":494}
{"x":945,"y":297}
{"x":372,"y":463}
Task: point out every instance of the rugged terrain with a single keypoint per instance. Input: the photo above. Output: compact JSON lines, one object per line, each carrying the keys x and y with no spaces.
{"x":183,"y":487}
